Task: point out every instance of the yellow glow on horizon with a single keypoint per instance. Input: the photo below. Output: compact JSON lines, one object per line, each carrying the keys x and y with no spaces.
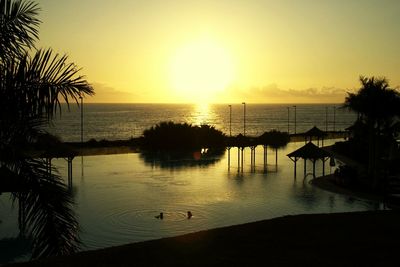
{"x":191,"y":51}
{"x":200,"y":69}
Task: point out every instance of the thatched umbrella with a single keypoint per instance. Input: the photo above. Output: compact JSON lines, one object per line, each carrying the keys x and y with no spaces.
{"x":311,"y":152}
{"x":314,"y":132}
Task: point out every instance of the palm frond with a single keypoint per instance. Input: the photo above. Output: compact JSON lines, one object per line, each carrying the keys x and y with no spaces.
{"x":44,"y":199}
{"x":55,"y":79}
{"x":36,"y":85}
{"x":47,"y":208}
{"x":31,"y":89}
{"x":18,"y":27}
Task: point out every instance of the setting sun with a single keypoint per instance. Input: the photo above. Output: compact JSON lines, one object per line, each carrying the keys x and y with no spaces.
{"x":199,"y":69}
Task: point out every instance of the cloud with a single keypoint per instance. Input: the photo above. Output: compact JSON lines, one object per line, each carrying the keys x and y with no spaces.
{"x":273,"y":94}
{"x":108,"y":94}
{"x":266,"y":94}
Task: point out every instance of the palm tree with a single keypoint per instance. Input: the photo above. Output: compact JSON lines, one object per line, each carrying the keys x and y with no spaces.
{"x":32,"y":85}
{"x":378,"y":107}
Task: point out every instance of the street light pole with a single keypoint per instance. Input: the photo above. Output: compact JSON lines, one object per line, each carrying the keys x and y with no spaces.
{"x":288,"y":117}
{"x":294,"y":119}
{"x":244,"y":118}
{"x":230,"y":120}
{"x":80,"y":96}
{"x":334,"y":117}
{"x":326,"y":119}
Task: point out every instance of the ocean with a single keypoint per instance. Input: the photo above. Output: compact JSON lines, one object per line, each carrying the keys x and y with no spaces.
{"x":123,"y":121}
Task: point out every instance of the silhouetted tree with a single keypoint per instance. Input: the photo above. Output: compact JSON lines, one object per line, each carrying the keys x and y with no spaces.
{"x":378,"y":107}
{"x":170,"y":136}
{"x":32,"y":84}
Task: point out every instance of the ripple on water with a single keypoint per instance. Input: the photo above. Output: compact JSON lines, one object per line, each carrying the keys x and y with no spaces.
{"x":133,"y":225}
{"x":124,"y":218}
{"x":181,"y":182}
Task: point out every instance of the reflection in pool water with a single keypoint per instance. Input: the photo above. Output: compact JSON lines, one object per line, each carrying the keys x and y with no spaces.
{"x":119,"y":196}
{"x":181,"y":159}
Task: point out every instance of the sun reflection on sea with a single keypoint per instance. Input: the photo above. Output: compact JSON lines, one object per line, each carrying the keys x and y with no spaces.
{"x":202,"y":114}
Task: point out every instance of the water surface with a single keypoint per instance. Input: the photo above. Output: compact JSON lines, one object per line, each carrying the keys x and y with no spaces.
{"x":122,"y":121}
{"x":118,"y":196}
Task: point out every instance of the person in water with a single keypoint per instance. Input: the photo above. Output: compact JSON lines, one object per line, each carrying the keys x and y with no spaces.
{"x":161,"y":215}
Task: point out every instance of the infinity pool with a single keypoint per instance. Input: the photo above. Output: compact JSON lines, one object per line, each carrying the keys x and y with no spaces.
{"x":118,"y":196}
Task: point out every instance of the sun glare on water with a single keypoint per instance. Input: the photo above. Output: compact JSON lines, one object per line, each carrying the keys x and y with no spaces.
{"x":201,"y":114}
{"x":199,"y":70}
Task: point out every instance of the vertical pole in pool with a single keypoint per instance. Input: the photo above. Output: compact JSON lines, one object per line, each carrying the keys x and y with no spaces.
{"x":229,"y":157}
{"x":242,"y":158}
{"x":238,"y":158}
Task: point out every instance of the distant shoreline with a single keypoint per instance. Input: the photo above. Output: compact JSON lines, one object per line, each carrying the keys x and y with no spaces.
{"x":107,"y":147}
{"x":186,"y":103}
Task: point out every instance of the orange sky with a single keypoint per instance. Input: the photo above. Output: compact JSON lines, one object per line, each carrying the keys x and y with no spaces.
{"x":225,"y":51}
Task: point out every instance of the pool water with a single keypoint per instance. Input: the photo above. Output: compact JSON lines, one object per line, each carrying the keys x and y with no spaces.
{"x":118,"y":196}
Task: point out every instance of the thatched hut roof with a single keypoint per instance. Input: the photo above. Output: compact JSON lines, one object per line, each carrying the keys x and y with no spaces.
{"x":309,"y":151}
{"x":315,"y":131}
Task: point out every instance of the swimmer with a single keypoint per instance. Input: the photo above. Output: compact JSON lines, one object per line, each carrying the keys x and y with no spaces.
{"x":189,"y":214}
{"x":161,"y":216}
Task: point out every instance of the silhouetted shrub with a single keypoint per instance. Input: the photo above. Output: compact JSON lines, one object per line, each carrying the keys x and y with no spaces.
{"x":170,"y":135}
{"x":92,"y":141}
{"x":274,"y":138}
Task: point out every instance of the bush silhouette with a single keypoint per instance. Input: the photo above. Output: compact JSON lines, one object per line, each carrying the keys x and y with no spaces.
{"x":183,"y":136}
{"x":274,"y":139}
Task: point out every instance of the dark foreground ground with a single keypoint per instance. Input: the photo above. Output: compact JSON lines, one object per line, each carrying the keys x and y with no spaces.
{"x":342,"y":239}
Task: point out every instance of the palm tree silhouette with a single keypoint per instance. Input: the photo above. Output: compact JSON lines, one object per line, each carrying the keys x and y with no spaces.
{"x":378,"y":107}
{"x":32,"y":84}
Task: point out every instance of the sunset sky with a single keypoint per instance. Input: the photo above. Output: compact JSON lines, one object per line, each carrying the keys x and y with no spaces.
{"x":225,"y":51}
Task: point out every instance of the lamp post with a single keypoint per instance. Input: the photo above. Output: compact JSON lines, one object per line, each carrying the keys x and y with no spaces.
{"x":288,"y":117}
{"x":334,"y":117}
{"x":230,"y":120}
{"x":244,"y":118}
{"x":326,"y":119}
{"x":294,"y":119}
{"x":81,"y":98}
